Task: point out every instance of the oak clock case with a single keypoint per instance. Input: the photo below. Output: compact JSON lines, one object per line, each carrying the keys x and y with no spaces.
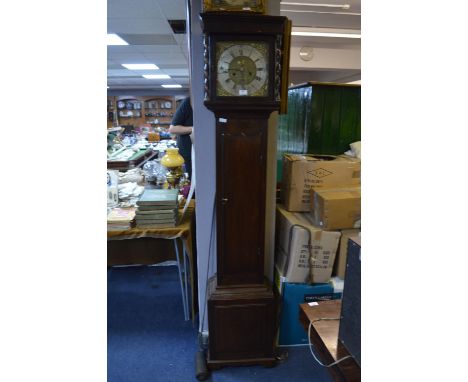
{"x":242,"y":88}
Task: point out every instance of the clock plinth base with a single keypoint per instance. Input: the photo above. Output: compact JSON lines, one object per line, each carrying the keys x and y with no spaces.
{"x":214,"y":365}
{"x":242,"y":325}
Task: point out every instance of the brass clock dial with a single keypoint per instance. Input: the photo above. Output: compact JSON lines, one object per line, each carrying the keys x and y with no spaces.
{"x":242,"y":69}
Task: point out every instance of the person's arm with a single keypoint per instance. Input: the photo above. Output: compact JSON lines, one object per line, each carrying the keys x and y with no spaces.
{"x":180,"y":130}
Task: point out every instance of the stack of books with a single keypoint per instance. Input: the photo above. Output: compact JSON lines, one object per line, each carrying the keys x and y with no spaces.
{"x":157,"y":208}
{"x":120,"y":219}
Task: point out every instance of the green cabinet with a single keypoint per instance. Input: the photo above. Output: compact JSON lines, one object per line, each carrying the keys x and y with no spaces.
{"x":321,"y":119}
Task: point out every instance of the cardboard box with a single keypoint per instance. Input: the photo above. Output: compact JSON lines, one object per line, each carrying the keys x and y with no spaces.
{"x":298,"y":241}
{"x":336,"y":208}
{"x":291,"y":331}
{"x":301,"y":172}
{"x":340,"y":262}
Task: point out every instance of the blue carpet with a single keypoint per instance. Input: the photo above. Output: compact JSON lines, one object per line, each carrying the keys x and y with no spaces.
{"x":149,"y":341}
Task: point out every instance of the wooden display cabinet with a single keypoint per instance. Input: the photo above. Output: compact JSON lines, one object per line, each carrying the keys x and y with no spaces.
{"x":111,"y":116}
{"x":159,"y":111}
{"x":156,"y":111}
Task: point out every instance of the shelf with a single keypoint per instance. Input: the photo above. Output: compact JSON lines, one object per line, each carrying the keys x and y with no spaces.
{"x":145,"y":102}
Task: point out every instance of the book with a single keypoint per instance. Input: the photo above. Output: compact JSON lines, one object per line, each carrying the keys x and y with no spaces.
{"x":155,"y":225}
{"x":152,"y":220}
{"x":118,"y":227}
{"x":171,"y":212}
{"x":119,"y":215}
{"x":150,"y":217}
{"x":162,"y":207}
{"x":157,"y":197}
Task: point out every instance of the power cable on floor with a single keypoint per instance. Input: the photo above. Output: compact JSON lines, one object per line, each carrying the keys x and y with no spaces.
{"x":310,"y":344}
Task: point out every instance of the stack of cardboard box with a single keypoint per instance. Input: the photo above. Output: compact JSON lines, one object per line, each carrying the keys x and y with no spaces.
{"x":320,"y":205}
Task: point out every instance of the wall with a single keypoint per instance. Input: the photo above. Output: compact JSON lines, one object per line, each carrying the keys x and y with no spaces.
{"x":178,"y":93}
{"x":327,"y":58}
{"x":205,"y":160}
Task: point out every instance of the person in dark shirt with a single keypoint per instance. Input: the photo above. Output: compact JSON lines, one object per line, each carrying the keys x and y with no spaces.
{"x":182,"y":126}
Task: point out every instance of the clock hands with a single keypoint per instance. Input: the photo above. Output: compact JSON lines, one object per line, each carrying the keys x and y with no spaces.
{"x":241,"y":67}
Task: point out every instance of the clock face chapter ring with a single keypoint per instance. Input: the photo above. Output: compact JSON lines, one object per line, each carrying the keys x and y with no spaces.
{"x":242,"y":68}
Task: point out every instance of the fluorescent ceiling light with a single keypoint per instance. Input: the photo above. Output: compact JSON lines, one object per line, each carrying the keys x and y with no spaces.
{"x":323,"y":34}
{"x":341,"y":6}
{"x":113,"y":39}
{"x":172,"y":86}
{"x":139,"y":66}
{"x":156,"y":76}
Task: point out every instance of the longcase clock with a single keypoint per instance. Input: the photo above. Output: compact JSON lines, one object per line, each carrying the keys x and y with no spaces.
{"x":243,"y":69}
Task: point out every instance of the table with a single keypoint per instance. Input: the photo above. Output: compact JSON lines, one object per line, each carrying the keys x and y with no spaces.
{"x":324,"y":339}
{"x":185,"y":261}
{"x":136,"y":160}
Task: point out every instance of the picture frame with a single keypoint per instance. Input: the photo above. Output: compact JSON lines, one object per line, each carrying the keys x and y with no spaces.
{"x":254,"y":6}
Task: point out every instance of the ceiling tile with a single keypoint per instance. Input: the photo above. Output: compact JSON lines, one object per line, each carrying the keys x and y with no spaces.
{"x":121,"y":49}
{"x":130,"y":58}
{"x":177,"y":72}
{"x":181,"y":39}
{"x":138,"y":25}
{"x":166,"y":58}
{"x":132,"y":9}
{"x":157,"y":48}
{"x":144,"y":22}
{"x":148,"y":39}
{"x":173,"y":9}
{"x":118,"y":72}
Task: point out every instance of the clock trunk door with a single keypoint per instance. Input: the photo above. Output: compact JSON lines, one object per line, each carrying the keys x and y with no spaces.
{"x":241,"y":173}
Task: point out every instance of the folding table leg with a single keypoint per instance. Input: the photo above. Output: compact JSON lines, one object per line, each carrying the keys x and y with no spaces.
{"x":181,"y":281}
{"x":186,"y":273}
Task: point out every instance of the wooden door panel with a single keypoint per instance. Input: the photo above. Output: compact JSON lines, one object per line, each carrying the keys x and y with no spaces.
{"x":241,"y":203}
{"x":241,"y":329}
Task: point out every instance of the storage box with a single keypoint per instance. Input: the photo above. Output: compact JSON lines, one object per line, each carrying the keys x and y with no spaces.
{"x":291,"y":331}
{"x":297,"y":241}
{"x":340,"y":262}
{"x":301,"y":172}
{"x":336,"y":208}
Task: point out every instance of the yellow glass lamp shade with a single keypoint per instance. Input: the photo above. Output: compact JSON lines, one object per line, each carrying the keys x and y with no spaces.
{"x":172,"y":158}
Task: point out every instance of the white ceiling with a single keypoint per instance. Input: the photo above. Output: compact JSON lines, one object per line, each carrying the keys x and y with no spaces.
{"x":143,"y":24}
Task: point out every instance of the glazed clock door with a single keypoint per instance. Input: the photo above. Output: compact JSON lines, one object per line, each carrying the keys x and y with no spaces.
{"x":241,"y":171}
